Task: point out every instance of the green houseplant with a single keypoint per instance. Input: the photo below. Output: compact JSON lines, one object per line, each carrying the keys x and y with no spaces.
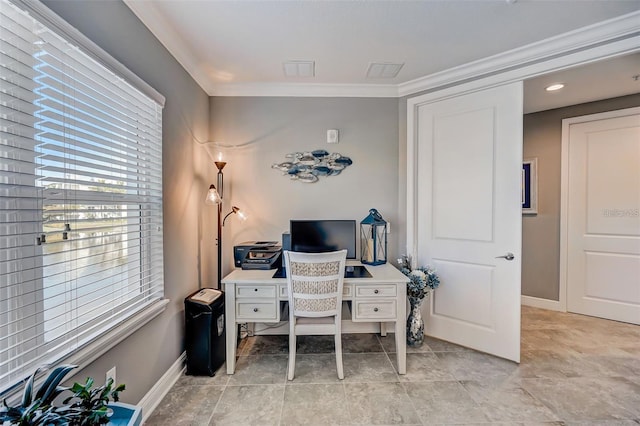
{"x":36,"y":408}
{"x":85,"y":406}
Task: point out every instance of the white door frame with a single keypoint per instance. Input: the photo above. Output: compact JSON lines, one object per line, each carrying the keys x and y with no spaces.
{"x":551,"y":55}
{"x":564,"y":191}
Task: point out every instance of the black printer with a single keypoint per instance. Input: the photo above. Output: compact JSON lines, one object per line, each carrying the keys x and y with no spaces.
{"x":257,"y":255}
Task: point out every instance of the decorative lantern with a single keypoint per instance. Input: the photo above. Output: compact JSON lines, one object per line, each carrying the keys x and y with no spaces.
{"x":373,"y":239}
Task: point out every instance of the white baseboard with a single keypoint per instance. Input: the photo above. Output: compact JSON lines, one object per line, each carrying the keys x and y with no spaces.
{"x":152,"y":399}
{"x":536,"y":302}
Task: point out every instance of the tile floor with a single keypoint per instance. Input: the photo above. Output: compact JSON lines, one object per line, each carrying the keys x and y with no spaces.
{"x":575,"y":370}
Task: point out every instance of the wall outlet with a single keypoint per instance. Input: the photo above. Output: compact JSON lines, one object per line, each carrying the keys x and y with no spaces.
{"x":111,"y":374}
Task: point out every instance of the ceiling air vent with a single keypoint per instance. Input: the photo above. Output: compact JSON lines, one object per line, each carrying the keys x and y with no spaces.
{"x":299,"y":68}
{"x":383,"y":70}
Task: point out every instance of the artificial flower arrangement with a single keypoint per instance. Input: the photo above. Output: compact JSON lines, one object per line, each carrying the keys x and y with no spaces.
{"x":421,"y":280}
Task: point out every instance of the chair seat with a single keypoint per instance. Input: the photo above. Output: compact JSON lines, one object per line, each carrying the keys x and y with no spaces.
{"x":315,"y":326}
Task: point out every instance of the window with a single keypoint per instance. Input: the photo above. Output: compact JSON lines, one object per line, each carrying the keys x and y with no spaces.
{"x":80,"y":197}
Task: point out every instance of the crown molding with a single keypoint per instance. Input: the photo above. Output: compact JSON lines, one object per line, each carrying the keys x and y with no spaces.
{"x":596,"y":36}
{"x":592,"y":36}
{"x":154,"y":20}
{"x":147,"y":12}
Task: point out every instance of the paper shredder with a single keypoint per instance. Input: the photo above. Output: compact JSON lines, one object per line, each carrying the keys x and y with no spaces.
{"x":204,"y":331}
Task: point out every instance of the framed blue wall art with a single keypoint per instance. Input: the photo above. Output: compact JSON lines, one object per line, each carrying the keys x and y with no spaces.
{"x":529,"y":185}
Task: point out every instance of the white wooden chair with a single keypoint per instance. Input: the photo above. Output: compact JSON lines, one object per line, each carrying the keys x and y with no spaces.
{"x":314,"y":282}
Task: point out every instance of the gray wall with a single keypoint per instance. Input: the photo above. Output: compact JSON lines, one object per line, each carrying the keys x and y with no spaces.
{"x":146,"y":355}
{"x":541,"y":233}
{"x":265,"y":129}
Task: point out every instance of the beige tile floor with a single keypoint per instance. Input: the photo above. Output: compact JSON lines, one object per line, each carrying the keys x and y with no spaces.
{"x":575,"y":370}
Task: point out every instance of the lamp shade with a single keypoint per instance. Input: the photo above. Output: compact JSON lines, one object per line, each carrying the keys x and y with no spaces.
{"x":212,"y":196}
{"x":373,"y":239}
{"x":235,"y":210}
{"x":242,"y":215}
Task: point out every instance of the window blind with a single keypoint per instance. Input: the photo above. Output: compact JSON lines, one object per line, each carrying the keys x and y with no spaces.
{"x":80,"y":197}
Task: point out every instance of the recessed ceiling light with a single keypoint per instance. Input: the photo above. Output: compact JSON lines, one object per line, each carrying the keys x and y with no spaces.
{"x":383,"y":70}
{"x":554,"y":87}
{"x":299,"y":68}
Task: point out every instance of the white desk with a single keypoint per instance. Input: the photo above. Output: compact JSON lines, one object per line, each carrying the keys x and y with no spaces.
{"x":254,"y":296}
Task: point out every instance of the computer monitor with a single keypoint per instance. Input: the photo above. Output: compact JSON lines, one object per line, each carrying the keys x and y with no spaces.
{"x":319,"y":236}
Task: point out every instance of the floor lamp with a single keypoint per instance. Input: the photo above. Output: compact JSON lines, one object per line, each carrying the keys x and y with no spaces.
{"x":214,"y":197}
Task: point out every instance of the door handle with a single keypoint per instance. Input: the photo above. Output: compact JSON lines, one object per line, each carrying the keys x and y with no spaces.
{"x":508,"y":256}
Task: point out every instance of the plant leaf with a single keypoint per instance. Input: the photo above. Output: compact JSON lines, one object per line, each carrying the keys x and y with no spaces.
{"x":76,"y":388}
{"x":27,"y":395}
{"x":47,"y":391}
{"x":89,"y":382}
{"x":104,"y":395}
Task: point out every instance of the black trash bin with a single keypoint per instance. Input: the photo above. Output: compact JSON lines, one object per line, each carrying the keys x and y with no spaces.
{"x":204,"y":331}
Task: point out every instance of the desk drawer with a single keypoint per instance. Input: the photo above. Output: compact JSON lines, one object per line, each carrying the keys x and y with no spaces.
{"x":367,"y":310}
{"x":256,"y":291}
{"x":257,"y":310}
{"x":381,"y":290}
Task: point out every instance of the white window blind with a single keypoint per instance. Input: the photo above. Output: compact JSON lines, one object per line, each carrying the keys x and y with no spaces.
{"x":80,"y":197}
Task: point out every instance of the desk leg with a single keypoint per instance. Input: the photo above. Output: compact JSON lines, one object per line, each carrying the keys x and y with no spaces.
{"x":401,"y":332}
{"x":383,"y":329}
{"x":232,"y":329}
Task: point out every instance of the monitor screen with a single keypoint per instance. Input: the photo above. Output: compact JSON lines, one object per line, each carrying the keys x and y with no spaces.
{"x":318,"y":236}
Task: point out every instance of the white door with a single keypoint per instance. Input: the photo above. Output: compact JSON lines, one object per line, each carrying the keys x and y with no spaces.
{"x":465,"y":214}
{"x":603,"y":214}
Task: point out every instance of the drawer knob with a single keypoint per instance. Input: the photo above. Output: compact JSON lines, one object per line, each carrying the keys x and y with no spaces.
{"x":376,"y":291}
{"x":255,"y":309}
{"x":255,"y":289}
{"x":375,"y":309}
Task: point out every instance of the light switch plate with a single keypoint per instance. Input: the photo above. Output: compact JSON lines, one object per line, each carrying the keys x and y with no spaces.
{"x":332,"y":136}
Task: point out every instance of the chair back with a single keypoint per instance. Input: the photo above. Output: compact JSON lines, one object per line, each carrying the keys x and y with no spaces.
{"x":315,"y":282}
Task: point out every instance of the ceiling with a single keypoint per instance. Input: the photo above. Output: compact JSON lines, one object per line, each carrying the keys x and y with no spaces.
{"x":240,"y":47}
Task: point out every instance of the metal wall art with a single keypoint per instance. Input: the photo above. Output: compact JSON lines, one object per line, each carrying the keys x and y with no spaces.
{"x":309,"y":166}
